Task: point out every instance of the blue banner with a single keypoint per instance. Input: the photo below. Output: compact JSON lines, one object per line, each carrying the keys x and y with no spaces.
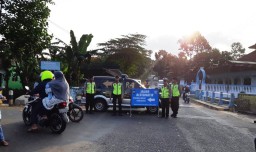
{"x":50,"y":65}
{"x":145,"y":97}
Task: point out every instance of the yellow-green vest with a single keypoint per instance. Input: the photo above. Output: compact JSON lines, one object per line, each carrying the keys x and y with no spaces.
{"x":90,"y":87}
{"x":117,"y":88}
{"x":175,"y":90}
{"x":165,"y":93}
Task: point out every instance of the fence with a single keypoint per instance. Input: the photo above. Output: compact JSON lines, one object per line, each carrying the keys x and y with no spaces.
{"x":216,"y":97}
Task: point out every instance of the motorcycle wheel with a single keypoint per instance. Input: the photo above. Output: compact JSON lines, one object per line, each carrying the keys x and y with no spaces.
{"x":57,"y":124}
{"x":26,"y":115}
{"x":75,"y":113}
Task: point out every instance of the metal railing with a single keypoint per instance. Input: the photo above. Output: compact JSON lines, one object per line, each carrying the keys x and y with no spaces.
{"x":219,"y":98}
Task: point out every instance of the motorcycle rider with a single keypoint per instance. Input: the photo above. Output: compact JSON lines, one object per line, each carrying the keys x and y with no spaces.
{"x":57,"y":90}
{"x":46,"y":76}
{"x":185,"y":90}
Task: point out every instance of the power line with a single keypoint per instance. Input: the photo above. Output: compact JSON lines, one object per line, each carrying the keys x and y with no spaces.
{"x":59,"y":27}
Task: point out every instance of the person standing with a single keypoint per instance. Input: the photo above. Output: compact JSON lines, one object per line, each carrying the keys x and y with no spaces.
{"x":175,"y":97}
{"x":89,"y":93}
{"x":3,"y":142}
{"x":165,"y":97}
{"x":117,"y":95}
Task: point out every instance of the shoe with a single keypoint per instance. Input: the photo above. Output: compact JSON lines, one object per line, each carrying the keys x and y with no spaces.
{"x":32,"y":130}
{"x":4,"y":143}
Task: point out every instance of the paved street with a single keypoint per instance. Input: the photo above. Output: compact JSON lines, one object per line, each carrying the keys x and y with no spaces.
{"x":197,"y":129}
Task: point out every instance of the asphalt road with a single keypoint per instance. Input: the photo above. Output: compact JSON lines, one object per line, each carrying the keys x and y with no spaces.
{"x":197,"y":129}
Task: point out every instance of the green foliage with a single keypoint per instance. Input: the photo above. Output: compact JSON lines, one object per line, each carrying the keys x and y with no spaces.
{"x":128,"y":53}
{"x":133,"y":41}
{"x":75,"y":56}
{"x":237,"y":50}
{"x":129,"y":61}
{"x":196,"y":43}
{"x":24,"y":30}
{"x":168,"y":65}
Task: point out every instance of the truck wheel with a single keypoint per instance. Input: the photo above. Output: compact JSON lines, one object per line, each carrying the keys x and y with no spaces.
{"x":100,"y":105}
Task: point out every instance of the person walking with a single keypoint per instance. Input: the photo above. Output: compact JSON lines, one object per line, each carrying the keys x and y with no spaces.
{"x":3,"y":142}
{"x":90,"y":89}
{"x":175,"y":97}
{"x":117,"y":95}
{"x":165,"y":98}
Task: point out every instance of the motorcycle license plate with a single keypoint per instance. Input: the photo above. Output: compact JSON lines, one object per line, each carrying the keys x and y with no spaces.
{"x":64,"y":110}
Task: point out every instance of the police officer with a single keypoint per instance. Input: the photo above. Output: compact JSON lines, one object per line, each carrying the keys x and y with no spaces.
{"x":175,"y":98}
{"x":90,"y":89}
{"x":117,"y":95}
{"x":165,"y":97}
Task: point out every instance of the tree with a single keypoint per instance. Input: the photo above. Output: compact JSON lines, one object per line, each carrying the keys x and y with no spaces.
{"x":24,"y":30}
{"x":237,"y":50}
{"x":168,"y":65}
{"x":128,"y":53}
{"x":194,"y":44}
{"x":75,"y":55}
{"x":129,"y":61}
{"x":133,"y":41}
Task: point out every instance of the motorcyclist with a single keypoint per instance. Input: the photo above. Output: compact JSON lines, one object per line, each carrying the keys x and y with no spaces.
{"x":185,"y":90}
{"x":57,"y":91}
{"x":46,"y":76}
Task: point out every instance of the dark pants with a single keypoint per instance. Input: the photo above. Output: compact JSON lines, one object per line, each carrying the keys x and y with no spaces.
{"x":89,"y":102}
{"x":175,"y":105}
{"x":118,"y":97}
{"x":37,"y":108}
{"x":165,"y":107}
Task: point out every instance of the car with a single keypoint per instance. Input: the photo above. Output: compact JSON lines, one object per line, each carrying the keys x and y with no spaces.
{"x":102,"y":100}
{"x":160,"y":84}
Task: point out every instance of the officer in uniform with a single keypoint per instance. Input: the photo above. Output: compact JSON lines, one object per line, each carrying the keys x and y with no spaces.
{"x":117,"y":95}
{"x":165,"y":97}
{"x":90,"y":89}
{"x":175,"y":98}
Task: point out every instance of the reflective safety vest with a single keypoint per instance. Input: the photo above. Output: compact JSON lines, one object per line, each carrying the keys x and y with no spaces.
{"x":117,"y":88}
{"x":165,"y":93}
{"x":90,"y":87}
{"x":175,"y":90}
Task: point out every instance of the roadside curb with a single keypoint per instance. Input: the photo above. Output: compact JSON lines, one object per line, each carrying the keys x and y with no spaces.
{"x":4,"y":105}
{"x":209,"y":105}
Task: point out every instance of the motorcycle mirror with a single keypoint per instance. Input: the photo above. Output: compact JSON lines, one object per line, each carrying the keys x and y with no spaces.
{"x":26,"y":87}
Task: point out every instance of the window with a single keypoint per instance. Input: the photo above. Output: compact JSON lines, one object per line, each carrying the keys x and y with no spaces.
{"x":247,"y":81}
{"x":237,"y":81}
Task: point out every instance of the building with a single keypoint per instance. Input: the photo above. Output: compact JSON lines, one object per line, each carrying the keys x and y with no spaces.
{"x":231,"y":77}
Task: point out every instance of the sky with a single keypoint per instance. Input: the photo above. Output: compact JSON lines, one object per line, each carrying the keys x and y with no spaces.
{"x":164,"y":22}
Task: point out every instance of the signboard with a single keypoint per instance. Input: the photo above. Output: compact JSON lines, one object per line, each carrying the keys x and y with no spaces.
{"x":50,"y":65}
{"x":145,"y":97}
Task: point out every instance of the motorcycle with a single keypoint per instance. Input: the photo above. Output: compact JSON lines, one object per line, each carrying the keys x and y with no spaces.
{"x":75,"y":112}
{"x":186,"y":97}
{"x":57,"y":118}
